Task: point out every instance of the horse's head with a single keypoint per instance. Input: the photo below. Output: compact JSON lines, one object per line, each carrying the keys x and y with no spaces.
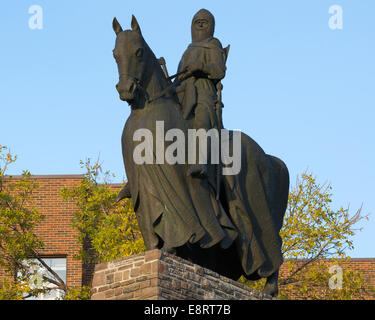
{"x":133,"y":57}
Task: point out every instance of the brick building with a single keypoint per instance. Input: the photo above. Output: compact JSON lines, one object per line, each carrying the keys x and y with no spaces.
{"x":56,"y":230}
{"x":61,"y":240}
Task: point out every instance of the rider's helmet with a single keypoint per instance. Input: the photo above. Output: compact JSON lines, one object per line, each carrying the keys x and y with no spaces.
{"x":202,"y":26}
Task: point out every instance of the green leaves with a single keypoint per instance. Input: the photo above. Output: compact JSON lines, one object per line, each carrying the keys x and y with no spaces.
{"x":311,"y":228}
{"x":6,"y":158}
{"x":315,"y":236}
{"x":312,"y":282}
{"x":13,"y":290}
{"x":107,"y":229}
{"x":18,"y":216}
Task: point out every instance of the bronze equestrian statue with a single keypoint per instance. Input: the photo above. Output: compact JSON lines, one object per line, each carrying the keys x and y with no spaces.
{"x":227,"y":223}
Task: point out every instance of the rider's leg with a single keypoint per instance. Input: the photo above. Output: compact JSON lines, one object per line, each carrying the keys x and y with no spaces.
{"x":201,"y":121}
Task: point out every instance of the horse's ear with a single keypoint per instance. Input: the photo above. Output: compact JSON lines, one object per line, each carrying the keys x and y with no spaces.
{"x":116,"y":26}
{"x":135,"y":25}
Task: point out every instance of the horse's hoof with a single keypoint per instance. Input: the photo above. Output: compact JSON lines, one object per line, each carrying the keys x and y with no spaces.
{"x":169,"y":250}
{"x":271,"y":289}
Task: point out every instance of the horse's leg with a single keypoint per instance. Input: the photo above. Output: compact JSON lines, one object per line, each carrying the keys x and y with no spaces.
{"x":282,"y":177}
{"x":124,"y":193}
{"x":272,"y":284}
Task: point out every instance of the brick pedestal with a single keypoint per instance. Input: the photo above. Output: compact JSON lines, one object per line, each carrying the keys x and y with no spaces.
{"x":155,"y":275}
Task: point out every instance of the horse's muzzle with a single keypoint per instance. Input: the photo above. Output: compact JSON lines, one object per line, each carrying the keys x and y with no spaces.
{"x":127,"y":90}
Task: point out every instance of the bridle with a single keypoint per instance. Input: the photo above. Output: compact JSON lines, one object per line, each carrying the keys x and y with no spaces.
{"x":139,"y":85}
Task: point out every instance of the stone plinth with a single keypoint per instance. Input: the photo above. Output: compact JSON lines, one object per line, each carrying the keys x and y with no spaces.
{"x":155,"y":275}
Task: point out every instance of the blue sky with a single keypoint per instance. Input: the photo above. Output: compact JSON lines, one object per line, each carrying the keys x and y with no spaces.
{"x":304,"y":92}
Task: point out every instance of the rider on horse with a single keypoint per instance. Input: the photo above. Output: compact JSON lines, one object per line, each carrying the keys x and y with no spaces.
{"x":204,"y":63}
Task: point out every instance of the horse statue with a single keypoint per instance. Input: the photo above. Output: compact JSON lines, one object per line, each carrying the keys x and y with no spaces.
{"x":233,"y":232}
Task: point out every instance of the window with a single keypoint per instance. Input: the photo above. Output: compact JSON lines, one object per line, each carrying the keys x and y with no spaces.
{"x":58,"y":265}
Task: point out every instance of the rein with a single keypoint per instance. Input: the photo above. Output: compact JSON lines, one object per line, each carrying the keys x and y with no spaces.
{"x":169,"y":87}
{"x":138,"y":85}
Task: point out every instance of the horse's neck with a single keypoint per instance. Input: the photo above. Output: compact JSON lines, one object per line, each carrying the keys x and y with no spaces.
{"x":157,"y":82}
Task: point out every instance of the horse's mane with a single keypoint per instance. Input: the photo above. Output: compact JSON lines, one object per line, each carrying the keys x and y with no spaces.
{"x":155,"y":60}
